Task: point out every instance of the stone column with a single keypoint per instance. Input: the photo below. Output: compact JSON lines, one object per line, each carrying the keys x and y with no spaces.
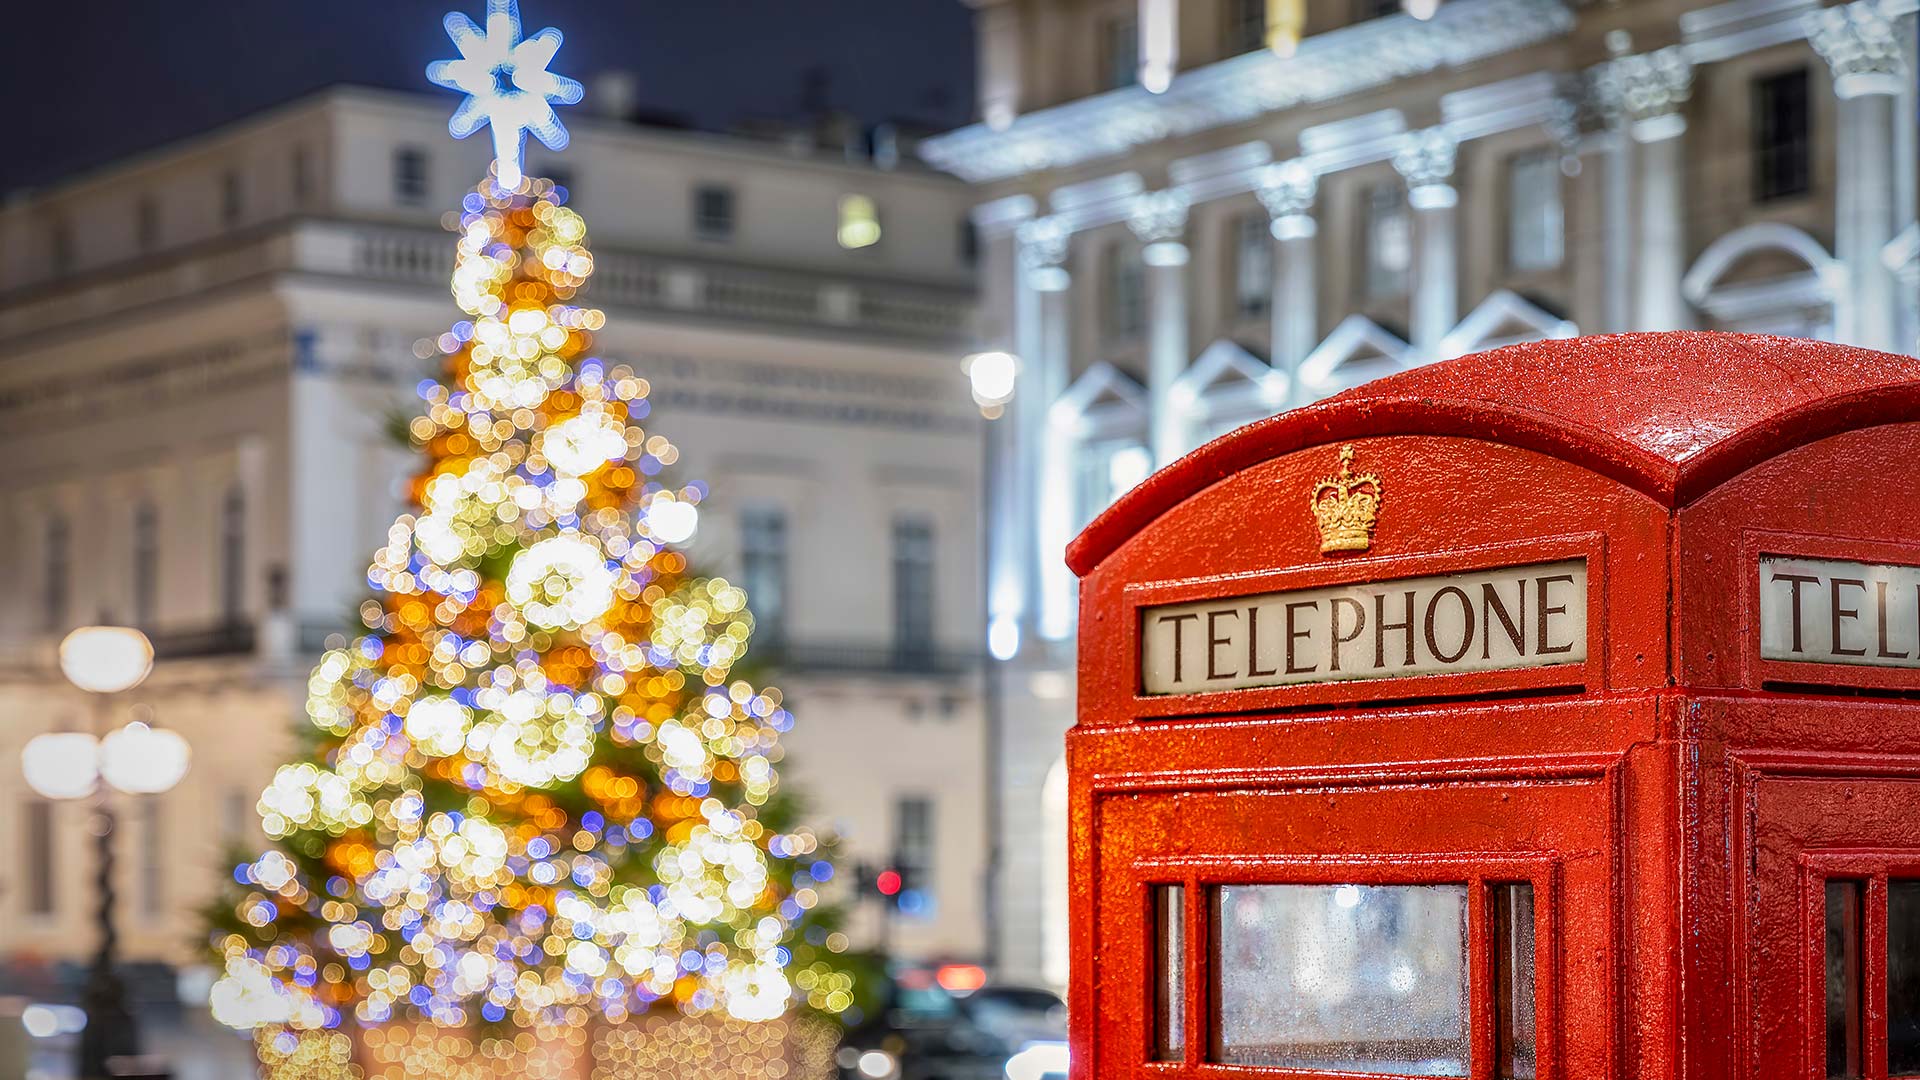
{"x":1159,"y":220}
{"x":1044,"y":245}
{"x":1859,"y":45}
{"x":1001,"y":311}
{"x":1644,"y":96}
{"x":1426,"y":161}
{"x":1287,"y":191}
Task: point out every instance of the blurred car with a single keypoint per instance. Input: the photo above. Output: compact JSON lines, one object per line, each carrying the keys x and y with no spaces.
{"x":1017,"y":1015}
{"x":1029,"y":1019}
{"x":935,"y":1025}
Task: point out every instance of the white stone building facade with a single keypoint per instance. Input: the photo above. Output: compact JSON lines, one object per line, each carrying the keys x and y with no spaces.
{"x":201,"y":353}
{"x":1183,"y":231}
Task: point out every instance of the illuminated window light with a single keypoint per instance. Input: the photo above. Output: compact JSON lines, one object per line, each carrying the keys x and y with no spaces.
{"x":1285,"y":18}
{"x":859,"y":222}
{"x":1159,"y":43}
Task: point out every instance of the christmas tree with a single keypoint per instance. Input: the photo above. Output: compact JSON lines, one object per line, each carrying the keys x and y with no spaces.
{"x":536,"y":791}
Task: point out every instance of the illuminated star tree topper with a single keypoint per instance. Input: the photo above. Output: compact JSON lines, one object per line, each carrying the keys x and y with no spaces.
{"x":507,"y":85}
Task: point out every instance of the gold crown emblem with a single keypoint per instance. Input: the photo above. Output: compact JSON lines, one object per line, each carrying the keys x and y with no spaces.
{"x":1345,"y":506}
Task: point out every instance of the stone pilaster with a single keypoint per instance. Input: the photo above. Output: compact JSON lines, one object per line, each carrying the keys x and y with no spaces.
{"x":1860,"y":46}
{"x":1644,"y":96}
{"x":1287,"y":190}
{"x":1426,"y":160}
{"x":1159,"y":220}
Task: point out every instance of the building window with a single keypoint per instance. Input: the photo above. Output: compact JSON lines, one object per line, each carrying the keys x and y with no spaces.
{"x":1252,"y":266}
{"x":1782,"y":137}
{"x":409,"y":175}
{"x":1120,"y":53}
{"x":58,"y":558}
{"x":153,"y":859}
{"x":146,"y":563}
{"x":713,"y":213}
{"x":60,"y":246}
{"x":38,"y":850}
{"x":231,"y":202}
{"x":1535,"y":219}
{"x":237,"y":818}
{"x":859,"y":222}
{"x":1126,"y":291}
{"x":913,"y":852}
{"x":913,"y":585}
{"x":302,"y":176}
{"x":1387,"y":232}
{"x":1246,"y":22}
{"x":969,"y":242}
{"x":233,"y":555}
{"x":146,"y":224}
{"x":763,"y":570}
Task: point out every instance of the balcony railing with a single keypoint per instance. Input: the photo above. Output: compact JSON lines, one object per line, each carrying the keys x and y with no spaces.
{"x":862,"y":659}
{"x":225,"y":638}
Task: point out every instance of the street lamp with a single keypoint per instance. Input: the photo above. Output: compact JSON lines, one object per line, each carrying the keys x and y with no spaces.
{"x":991,"y":377}
{"x":136,"y":759}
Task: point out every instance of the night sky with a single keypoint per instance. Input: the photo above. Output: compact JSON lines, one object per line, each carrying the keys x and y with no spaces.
{"x":88,"y":81}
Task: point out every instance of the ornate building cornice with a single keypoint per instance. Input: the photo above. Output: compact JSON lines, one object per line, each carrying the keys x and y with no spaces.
{"x":1325,"y":67}
{"x":1043,"y":242}
{"x":1644,"y":92}
{"x":1426,"y":158}
{"x":1287,"y":189}
{"x":1043,"y":251}
{"x":1860,"y":46}
{"x":1159,"y":217}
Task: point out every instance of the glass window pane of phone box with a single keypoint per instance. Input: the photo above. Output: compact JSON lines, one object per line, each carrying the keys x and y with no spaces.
{"x":1348,"y":978}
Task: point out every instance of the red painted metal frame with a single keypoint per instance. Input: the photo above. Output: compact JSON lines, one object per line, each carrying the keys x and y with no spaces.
{"x":1832,"y":848}
{"x":1687,"y":793}
{"x":1871,"y":868}
{"x":1590,"y":673}
{"x":1199,"y":876}
{"x":1760,"y":672}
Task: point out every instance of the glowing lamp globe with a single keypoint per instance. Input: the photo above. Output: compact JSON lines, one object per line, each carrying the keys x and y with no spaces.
{"x":61,"y":765}
{"x":142,"y":760}
{"x":991,"y":377}
{"x":106,"y":659}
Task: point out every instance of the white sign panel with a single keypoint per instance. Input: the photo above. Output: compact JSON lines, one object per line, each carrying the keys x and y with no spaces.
{"x":1832,"y":611}
{"x":1486,"y":620}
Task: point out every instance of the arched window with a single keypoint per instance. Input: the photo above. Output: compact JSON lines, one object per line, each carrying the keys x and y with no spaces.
{"x":1768,"y":278}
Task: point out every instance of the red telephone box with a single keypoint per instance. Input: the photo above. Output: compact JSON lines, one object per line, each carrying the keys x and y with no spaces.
{"x":1551,"y":712}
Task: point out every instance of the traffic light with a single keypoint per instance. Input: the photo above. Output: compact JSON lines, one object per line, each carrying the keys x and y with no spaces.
{"x":891,"y":884}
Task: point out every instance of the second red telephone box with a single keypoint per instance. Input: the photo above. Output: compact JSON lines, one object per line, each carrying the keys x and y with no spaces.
{"x":1551,"y":712}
